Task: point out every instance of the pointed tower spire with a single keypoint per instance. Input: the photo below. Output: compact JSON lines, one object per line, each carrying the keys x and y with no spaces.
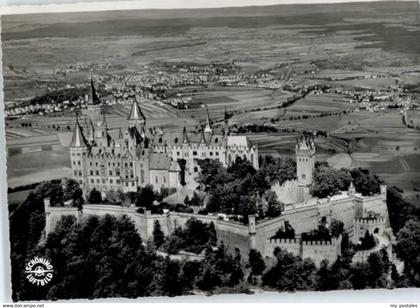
{"x":93,"y":99}
{"x":203,"y":135}
{"x":184,"y":135}
{"x":226,"y":122}
{"x":120,"y":134}
{"x":136,"y":115}
{"x":78,"y":140}
{"x":208,"y":128}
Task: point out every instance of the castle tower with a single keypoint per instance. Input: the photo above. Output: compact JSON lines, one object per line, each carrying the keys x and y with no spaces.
{"x":101,"y":132}
{"x":78,"y":153}
{"x":305,"y":163}
{"x":136,"y":117}
{"x":94,"y":105}
{"x":207,"y":127}
{"x":226,"y":123}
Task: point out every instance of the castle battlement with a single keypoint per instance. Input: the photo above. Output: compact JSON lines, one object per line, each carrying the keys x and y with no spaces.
{"x":369,"y":221}
{"x":284,"y":241}
{"x":331,"y":242}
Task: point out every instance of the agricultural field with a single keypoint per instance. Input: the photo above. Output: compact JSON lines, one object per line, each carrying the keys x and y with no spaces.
{"x":320,"y":103}
{"x":236,"y":100}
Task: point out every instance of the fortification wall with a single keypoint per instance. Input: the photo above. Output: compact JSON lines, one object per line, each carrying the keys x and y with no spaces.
{"x":316,"y":250}
{"x":342,"y":209}
{"x":234,"y":235}
{"x":290,"y":245}
{"x":322,"y":250}
{"x":54,"y":214}
{"x":376,"y":204}
{"x":373,"y":226}
{"x":288,"y":192}
{"x":303,"y":217}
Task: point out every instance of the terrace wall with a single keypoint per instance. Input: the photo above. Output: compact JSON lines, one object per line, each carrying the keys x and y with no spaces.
{"x":234,"y":235}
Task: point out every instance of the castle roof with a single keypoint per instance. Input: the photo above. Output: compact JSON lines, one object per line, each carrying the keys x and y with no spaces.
{"x":159,"y":161}
{"x":136,"y":113}
{"x":305,"y":142}
{"x":93,"y":98}
{"x":238,"y":141}
{"x":78,"y":140}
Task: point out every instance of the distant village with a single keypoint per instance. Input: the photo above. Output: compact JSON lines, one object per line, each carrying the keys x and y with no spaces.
{"x":174,"y":84}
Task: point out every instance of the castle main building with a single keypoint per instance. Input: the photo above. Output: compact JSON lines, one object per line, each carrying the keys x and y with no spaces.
{"x":140,"y":155}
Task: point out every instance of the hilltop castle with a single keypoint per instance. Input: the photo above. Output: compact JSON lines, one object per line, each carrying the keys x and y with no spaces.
{"x":140,"y":155}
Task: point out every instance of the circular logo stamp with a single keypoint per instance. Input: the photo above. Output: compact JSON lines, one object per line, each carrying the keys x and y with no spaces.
{"x":39,"y":271}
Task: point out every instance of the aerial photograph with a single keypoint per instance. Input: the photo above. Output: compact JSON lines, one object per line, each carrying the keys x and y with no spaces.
{"x":208,"y":151}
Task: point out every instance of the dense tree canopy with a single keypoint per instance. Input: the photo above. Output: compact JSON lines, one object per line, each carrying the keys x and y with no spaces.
{"x":239,"y":188}
{"x":194,"y":237}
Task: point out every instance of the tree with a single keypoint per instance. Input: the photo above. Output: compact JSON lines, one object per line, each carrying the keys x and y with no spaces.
{"x":145,"y":197}
{"x":256,"y":262}
{"x":336,"y":228}
{"x":367,"y":242}
{"x":290,"y":273}
{"x":158,"y":235}
{"x":328,"y":181}
{"x":94,"y":196}
{"x":359,"y":275}
{"x":408,"y":250}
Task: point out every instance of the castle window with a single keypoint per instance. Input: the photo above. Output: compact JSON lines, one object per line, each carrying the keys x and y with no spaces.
{"x":81,"y":181}
{"x":117,"y":181}
{"x":103,"y":181}
{"x":91,"y":172}
{"x":118,"y":172}
{"x":177,"y":153}
{"x":194,"y":153}
{"x":216,"y":140}
{"x":92,"y":181}
{"x":78,"y":162}
{"x":97,"y":172}
{"x":160,"y":140}
{"x":131,"y":164}
{"x":110,"y":172}
{"x":217,"y":153}
{"x":211,"y":153}
{"x":164,"y":179}
{"x":156,"y":179}
{"x":195,"y":169}
{"x":176,"y":140}
{"x":111,"y":181}
{"x":97,"y":181}
{"x":75,"y":172}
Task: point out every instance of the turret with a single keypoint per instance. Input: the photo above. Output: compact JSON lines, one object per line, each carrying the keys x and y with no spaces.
{"x":184,"y":136}
{"x":101,"y":133}
{"x":78,"y":153}
{"x":251,"y":231}
{"x":305,"y":164}
{"x":351,"y":190}
{"x":305,"y":160}
{"x":207,"y":127}
{"x":226,"y":123}
{"x":136,"y":117}
{"x":94,"y":105}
